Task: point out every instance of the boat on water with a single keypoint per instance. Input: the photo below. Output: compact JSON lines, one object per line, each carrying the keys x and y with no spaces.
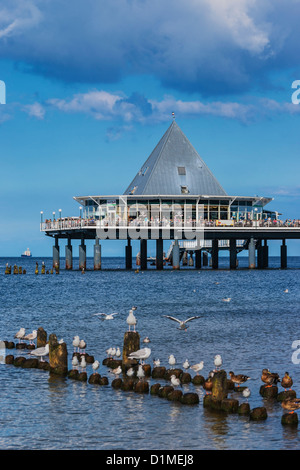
{"x":26,"y":254}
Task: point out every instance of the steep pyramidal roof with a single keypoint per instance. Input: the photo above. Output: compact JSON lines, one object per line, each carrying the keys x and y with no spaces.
{"x":174,"y":167}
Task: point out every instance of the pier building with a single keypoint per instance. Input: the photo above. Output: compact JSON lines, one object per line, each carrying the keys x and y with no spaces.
{"x":174,"y":196}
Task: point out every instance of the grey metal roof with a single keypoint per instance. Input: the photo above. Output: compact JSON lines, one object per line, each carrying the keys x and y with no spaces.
{"x":173,"y":166}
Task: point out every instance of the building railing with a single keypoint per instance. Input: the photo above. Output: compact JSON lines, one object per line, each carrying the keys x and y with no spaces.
{"x":77,"y":223}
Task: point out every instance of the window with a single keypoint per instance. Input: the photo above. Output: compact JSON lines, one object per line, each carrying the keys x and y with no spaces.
{"x":181,"y":170}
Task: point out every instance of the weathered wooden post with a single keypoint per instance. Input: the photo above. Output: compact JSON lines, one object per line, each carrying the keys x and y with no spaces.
{"x":131,"y":344}
{"x":219,"y":385}
{"x":41,"y":339}
{"x":58,"y":356}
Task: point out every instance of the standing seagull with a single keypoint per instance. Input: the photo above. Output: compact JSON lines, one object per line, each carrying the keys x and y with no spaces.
{"x":172,"y":361}
{"x":174,"y":381}
{"x":83,"y":363}
{"x":75,"y":362}
{"x":218,"y":361}
{"x":31,"y":337}
{"x":20,"y":334}
{"x":197,"y":367}
{"x":76,"y":341}
{"x":95,"y":366}
{"x":140,"y":373}
{"x":186,"y":364}
{"x":82,"y":345}
{"x":182,"y":323}
{"x":141,"y":354}
{"x":131,"y":320}
{"x":40,"y":352}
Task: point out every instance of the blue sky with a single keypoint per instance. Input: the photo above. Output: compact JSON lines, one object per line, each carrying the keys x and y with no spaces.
{"x":90,"y":88}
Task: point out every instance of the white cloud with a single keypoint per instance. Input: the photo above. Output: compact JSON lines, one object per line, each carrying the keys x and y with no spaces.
{"x":35,"y":110}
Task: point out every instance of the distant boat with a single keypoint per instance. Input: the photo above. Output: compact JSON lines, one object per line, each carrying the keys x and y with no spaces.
{"x":26,"y":254}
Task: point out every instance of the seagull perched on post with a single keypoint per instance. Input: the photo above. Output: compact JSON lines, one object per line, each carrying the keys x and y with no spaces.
{"x":182,"y":323}
{"x":20,"y":334}
{"x":76,"y":341}
{"x":218,"y":361}
{"x":31,"y":337}
{"x":40,"y":352}
{"x":175,"y":381}
{"x":131,"y":320}
{"x":141,"y":354}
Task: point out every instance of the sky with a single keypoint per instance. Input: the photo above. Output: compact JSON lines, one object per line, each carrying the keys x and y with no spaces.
{"x":90,"y":90}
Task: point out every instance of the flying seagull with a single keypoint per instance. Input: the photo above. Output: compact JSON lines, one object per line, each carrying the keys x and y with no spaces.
{"x":106,"y":316}
{"x":182,"y":323}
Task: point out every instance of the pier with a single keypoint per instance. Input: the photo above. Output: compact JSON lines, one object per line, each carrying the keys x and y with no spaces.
{"x":175,"y":198}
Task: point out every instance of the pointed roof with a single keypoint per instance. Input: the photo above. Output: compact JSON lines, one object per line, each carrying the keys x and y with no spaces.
{"x":174,"y":167}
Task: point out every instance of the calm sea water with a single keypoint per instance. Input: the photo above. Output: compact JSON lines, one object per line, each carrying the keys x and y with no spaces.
{"x":255,"y":330}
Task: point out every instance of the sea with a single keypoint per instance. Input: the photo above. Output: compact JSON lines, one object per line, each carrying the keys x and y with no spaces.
{"x":258,"y":328}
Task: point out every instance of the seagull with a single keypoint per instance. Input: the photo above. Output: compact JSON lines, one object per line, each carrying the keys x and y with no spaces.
{"x":218,"y":361}
{"x":108,"y":352}
{"x":246,"y":393}
{"x":117,"y":371}
{"x":76,"y":341}
{"x":140,"y":373}
{"x":130,"y":372}
{"x":75,"y":362}
{"x":146,"y":340}
{"x":131,"y":320}
{"x":118,"y":352}
{"x":40,"y":352}
{"x":82,"y":345}
{"x":172,"y":360}
{"x":141,"y":354}
{"x":226,"y":299}
{"x":82,"y":363}
{"x":113,"y":352}
{"x":197,"y":367}
{"x":31,"y":337}
{"x":156,"y":362}
{"x":20,"y":334}
{"x":286,"y":291}
{"x":186,"y":364}
{"x":174,"y":381}
{"x":182,"y":324}
{"x":106,"y":316}
{"x":95,"y":366}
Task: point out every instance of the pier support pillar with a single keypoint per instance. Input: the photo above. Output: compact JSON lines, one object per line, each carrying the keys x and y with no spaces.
{"x":128,"y":255}
{"x":251,"y":252}
{"x":232,"y":254}
{"x":69,"y":257}
{"x":266,"y":254}
{"x":97,"y":255}
{"x":56,"y":254}
{"x":283,"y":255}
{"x":260,"y":255}
{"x":176,"y":255}
{"x":82,"y":255}
{"x":215,"y":254}
{"x":159,"y":254}
{"x":205,"y":258}
{"x":198,"y":259}
{"x":143,"y":250}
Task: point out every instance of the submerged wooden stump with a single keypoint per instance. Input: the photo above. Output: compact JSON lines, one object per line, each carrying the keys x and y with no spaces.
{"x":131,"y":344}
{"x":30,"y":364}
{"x":289,"y":419}
{"x":176,"y":395}
{"x":9,"y":344}
{"x":163,"y":392}
{"x":190,"y":399}
{"x":95,"y":379}
{"x":21,"y":346}
{"x":73,"y":374}
{"x":154,"y":389}
{"x":230,"y":405}
{"x":103,"y":381}
{"x":219,"y":385}
{"x":258,"y":414}
{"x":142,"y":386}
{"x":244,"y":409}
{"x":158,"y":372}
{"x":198,"y":380}
{"x":169,"y":372}
{"x":82,"y":377}
{"x":116,"y":383}
{"x":19,"y":361}
{"x":58,"y":356}
{"x":185,"y":378}
{"x":41,"y":338}
{"x":44,"y":365}
{"x":268,"y":392}
{"x":128,"y":384}
{"x":9,"y":359}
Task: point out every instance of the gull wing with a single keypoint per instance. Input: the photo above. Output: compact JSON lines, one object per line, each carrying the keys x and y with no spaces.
{"x":192,"y":318}
{"x":172,"y":318}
